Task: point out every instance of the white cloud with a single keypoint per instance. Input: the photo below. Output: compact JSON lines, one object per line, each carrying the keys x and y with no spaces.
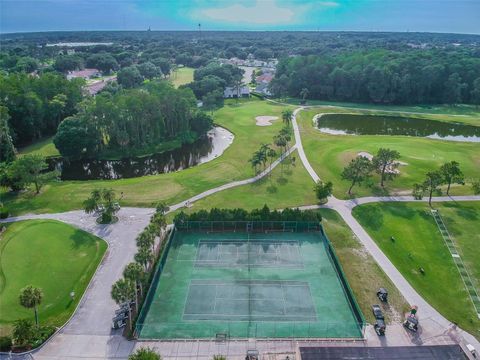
{"x":266,"y":12}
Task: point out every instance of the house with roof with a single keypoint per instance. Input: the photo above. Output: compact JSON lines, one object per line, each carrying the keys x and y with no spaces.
{"x":232,"y":92}
{"x":85,"y":74}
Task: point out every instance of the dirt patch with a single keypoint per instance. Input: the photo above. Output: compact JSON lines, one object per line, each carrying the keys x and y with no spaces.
{"x":265,"y":120}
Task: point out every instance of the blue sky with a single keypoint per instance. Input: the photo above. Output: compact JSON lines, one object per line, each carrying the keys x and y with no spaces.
{"x":460,"y":16}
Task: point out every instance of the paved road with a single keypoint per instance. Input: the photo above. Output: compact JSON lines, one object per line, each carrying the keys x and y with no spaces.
{"x":344,"y":208}
{"x":88,"y":334}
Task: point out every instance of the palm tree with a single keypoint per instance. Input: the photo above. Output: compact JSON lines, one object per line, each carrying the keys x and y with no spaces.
{"x":134,"y":272}
{"x":30,"y":297}
{"x":144,"y":256}
{"x":255,"y":161}
{"x":146,"y":239}
{"x":123,"y":291}
{"x":145,"y":354}
{"x":304,"y":94}
{"x":271,"y":154}
{"x":287,"y":116}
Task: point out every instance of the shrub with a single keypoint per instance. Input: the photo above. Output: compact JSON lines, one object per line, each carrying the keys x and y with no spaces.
{"x":3,"y":212}
{"x":5,"y":343}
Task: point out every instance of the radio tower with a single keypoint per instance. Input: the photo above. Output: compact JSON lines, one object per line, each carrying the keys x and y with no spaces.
{"x":199,"y":30}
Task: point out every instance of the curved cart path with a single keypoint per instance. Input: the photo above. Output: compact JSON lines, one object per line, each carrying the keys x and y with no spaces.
{"x":344,"y":208}
{"x":88,"y":334}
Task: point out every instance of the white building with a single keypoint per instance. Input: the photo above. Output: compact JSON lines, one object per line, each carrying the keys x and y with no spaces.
{"x":231,"y":92}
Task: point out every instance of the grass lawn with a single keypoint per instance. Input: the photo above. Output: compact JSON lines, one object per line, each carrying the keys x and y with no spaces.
{"x":418,"y":243}
{"x":462,"y":113}
{"x":328,"y":155}
{"x":51,"y":255}
{"x":289,"y":187}
{"x":238,"y":117}
{"x":44,"y":147}
{"x":182,"y":76}
{"x":363,"y":273}
{"x":295,"y":188}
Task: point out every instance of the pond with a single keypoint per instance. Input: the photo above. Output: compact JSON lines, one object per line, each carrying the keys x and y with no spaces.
{"x":352,"y":124}
{"x":203,"y":150}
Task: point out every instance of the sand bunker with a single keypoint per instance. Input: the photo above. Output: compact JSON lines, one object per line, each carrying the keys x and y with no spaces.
{"x":265,"y":120}
{"x":388,"y":169}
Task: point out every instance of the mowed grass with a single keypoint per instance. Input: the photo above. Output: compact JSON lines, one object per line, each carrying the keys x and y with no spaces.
{"x":419,"y":244}
{"x":329,"y":154}
{"x":461,"y":113}
{"x":293,"y":187}
{"x":51,"y":255}
{"x":182,"y":76}
{"x":44,"y":147}
{"x":237,"y":117}
{"x":287,"y":187}
{"x":363,"y":273}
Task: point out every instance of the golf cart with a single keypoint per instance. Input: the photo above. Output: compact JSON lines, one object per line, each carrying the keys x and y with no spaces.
{"x":382,"y":294}
{"x":379,"y":325}
{"x":252,"y":355}
{"x":119,"y":321}
{"x":411,"y":320}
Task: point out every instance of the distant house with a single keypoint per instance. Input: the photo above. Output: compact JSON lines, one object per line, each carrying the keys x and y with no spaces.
{"x":231,"y":92}
{"x":97,"y":86}
{"x":265,"y":77}
{"x":85,"y":73}
{"x":262,"y":88}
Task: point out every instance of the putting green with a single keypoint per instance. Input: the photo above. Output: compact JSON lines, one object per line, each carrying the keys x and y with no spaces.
{"x":51,"y":255}
{"x":279,"y":284}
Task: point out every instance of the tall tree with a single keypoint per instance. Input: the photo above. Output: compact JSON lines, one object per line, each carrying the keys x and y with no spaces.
{"x":431,"y":184}
{"x":123,"y":291}
{"x":452,"y":174}
{"x":453,"y":89}
{"x":323,"y":190}
{"x":304,"y":94}
{"x":385,"y":163}
{"x":7,"y":150}
{"x":475,"y":93}
{"x":357,"y":171}
{"x":287,"y":116}
{"x":30,"y":169}
{"x":144,"y":257}
{"x":134,"y":272}
{"x":30,"y":298}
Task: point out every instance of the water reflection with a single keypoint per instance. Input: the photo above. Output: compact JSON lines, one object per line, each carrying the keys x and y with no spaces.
{"x":351,"y":124}
{"x":199,"y":152}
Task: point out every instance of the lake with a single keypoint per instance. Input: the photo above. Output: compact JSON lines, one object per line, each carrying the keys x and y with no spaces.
{"x":201,"y":151}
{"x":353,"y":124}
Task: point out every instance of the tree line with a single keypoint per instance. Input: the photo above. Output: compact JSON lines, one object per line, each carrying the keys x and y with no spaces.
{"x":387,"y":77}
{"x":238,"y":214}
{"x":130,"y":121}
{"x":32,"y":107}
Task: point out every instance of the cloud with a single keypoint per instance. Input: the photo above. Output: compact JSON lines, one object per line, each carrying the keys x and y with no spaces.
{"x":261,"y":12}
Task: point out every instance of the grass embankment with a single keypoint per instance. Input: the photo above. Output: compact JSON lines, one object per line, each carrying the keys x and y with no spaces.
{"x":287,"y":187}
{"x":418,"y":244}
{"x":295,"y":188}
{"x":238,"y":117}
{"x":328,"y":154}
{"x":51,"y":255}
{"x":462,"y":113}
{"x":363,"y":273}
{"x":44,"y":147}
{"x":183,"y":75}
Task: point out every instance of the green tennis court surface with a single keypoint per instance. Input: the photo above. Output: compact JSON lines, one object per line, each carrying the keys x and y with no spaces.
{"x":282,"y":284}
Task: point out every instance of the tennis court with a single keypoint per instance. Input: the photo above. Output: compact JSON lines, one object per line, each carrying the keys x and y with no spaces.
{"x":247,"y":284}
